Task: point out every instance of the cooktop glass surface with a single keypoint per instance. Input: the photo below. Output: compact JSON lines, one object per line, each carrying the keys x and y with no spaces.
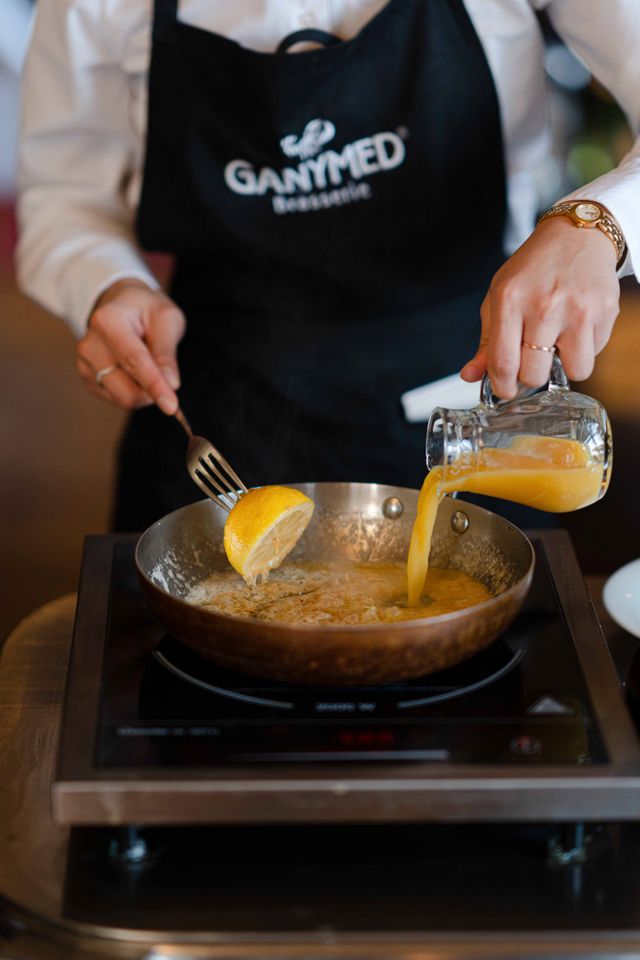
{"x":522,"y":701}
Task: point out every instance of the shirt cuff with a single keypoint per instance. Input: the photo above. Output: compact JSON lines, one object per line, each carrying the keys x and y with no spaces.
{"x":98,"y":277}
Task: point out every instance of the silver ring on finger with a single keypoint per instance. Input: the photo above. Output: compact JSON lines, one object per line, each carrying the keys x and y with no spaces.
{"x":537,"y":346}
{"x":101,"y":374}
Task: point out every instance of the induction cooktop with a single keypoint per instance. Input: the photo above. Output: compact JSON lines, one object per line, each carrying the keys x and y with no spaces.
{"x":533,"y":728}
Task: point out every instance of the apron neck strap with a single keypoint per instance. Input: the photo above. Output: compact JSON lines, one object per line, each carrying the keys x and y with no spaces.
{"x":165,"y":14}
{"x":307,"y":36}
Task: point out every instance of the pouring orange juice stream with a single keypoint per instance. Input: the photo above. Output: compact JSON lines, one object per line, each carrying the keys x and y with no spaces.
{"x":547,"y":473}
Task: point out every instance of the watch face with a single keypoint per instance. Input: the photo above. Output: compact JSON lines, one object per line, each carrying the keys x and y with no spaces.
{"x":588,"y":212}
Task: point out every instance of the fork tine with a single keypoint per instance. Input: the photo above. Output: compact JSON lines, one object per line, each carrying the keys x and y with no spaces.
{"x":209,"y":464}
{"x":208,"y":486}
{"x":239,"y":485}
{"x":206,"y":466}
{"x":210,"y":474}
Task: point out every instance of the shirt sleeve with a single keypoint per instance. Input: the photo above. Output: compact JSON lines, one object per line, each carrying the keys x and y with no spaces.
{"x":606,"y":36}
{"x":76,"y":156}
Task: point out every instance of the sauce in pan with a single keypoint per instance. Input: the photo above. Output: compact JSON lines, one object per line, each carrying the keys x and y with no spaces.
{"x":342,"y":591}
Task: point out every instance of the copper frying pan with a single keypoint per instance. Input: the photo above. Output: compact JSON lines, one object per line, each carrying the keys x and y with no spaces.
{"x":355,"y":520}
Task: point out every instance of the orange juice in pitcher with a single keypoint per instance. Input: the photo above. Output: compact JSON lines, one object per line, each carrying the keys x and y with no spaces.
{"x":549,"y":449}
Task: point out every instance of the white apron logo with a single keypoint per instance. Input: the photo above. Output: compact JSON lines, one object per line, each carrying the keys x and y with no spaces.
{"x":330,"y":178}
{"x":313,"y":138}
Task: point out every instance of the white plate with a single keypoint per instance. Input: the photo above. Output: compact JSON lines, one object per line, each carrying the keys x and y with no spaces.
{"x":621,"y":597}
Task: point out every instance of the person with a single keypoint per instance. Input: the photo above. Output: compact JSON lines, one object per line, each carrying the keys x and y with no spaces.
{"x":339,"y":183}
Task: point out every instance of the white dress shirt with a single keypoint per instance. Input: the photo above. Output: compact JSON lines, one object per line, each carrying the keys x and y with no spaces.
{"x":84,"y":119}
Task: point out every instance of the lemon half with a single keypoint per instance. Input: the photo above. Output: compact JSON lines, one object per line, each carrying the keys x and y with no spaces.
{"x":263,"y":527}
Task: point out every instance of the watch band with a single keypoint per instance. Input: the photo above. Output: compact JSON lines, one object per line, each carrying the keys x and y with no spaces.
{"x":605,"y":223}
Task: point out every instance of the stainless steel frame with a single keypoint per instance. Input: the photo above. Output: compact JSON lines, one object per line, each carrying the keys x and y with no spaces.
{"x":333,"y":793}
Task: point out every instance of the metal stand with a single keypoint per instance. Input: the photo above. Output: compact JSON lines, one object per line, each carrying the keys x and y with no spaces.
{"x":569,"y":846}
{"x":130,"y":849}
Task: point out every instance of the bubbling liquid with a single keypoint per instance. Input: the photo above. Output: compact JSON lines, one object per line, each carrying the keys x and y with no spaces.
{"x":340,"y":592}
{"x":542,"y":472}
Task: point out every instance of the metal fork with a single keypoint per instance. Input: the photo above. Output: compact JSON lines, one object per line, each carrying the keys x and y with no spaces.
{"x":209,"y":469}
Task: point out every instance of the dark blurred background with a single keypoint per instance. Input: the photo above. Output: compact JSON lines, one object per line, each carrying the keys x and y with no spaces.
{"x":57,"y":444}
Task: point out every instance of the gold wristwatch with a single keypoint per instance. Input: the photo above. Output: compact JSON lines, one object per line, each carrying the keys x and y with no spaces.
{"x":589,"y":214}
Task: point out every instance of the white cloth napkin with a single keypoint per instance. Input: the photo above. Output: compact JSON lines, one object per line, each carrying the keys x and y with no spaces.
{"x":452,"y":392}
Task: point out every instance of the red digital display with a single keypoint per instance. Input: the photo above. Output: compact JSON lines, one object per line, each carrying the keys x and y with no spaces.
{"x":364,"y":739}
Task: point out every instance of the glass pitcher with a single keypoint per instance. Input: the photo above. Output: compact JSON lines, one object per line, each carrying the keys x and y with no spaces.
{"x":549,"y":448}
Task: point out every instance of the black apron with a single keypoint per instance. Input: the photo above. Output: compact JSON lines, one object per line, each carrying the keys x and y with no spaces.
{"x":336,"y":217}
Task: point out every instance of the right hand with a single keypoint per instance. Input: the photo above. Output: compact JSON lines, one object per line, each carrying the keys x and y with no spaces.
{"x":138,"y":329}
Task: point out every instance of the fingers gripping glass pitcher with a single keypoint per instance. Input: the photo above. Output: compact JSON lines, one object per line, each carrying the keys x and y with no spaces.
{"x":549,"y":449}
